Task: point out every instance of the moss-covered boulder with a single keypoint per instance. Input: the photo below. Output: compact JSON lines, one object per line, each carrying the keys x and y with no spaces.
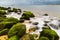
{"x":3,"y":16}
{"x":21,"y":20}
{"x":25,"y":17}
{"x":51,"y":34}
{"x":11,"y":19}
{"x":15,"y":10}
{"x":6,"y":25}
{"x":17,"y":29}
{"x":15,"y":37}
{"x":28,"y":13}
{"x":43,"y":38}
{"x":2,"y":19}
{"x":4,"y":31}
{"x":10,"y":10}
{"x":2,"y":12}
{"x":7,"y":22}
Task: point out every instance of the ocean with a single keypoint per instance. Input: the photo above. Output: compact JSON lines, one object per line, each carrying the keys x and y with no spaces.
{"x":39,"y":10}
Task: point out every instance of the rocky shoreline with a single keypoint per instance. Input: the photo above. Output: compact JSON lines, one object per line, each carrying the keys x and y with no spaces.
{"x":18,"y":25}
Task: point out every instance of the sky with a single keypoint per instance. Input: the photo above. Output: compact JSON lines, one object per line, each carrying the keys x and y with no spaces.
{"x":28,"y":2}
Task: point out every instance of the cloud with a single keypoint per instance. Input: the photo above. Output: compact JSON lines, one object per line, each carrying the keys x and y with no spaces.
{"x":28,"y":2}
{"x":36,"y":2}
{"x":40,"y":2}
{"x":6,"y":2}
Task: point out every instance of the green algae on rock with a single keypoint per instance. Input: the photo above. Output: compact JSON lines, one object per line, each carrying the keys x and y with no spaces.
{"x":4,"y":31}
{"x":17,"y":29}
{"x":4,"y":25}
{"x":50,"y":34}
{"x":27,"y":15}
{"x":43,"y":38}
{"x":11,"y":19}
{"x":15,"y":37}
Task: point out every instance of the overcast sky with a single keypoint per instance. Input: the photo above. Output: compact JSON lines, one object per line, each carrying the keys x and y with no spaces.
{"x":28,"y":2}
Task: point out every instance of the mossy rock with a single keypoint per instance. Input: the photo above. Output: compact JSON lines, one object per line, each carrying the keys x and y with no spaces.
{"x":11,"y":19}
{"x":28,"y":13}
{"x":2,"y":19}
{"x":25,"y":17}
{"x":21,"y":20}
{"x":10,"y":10}
{"x":17,"y":29}
{"x":3,"y":16}
{"x":2,"y":12}
{"x":51,"y":34}
{"x":15,"y":10}
{"x":20,"y":10}
{"x":6,"y":25}
{"x":43,"y":38}
{"x":4,"y":31}
{"x":15,"y":37}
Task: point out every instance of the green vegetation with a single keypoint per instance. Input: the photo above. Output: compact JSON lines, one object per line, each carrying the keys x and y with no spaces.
{"x":4,"y":31}
{"x":43,"y":38}
{"x":2,"y":19}
{"x":27,"y":15}
{"x":15,"y":37}
{"x":50,"y":34}
{"x":15,"y":10}
{"x":7,"y":22}
{"x":2,"y":12}
{"x":6,"y":25}
{"x":11,"y":19}
{"x":17,"y":29}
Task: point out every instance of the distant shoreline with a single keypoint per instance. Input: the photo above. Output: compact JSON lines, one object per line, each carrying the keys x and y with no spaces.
{"x":39,"y":10}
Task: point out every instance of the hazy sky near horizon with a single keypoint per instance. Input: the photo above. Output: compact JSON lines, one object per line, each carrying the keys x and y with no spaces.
{"x":28,"y":2}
